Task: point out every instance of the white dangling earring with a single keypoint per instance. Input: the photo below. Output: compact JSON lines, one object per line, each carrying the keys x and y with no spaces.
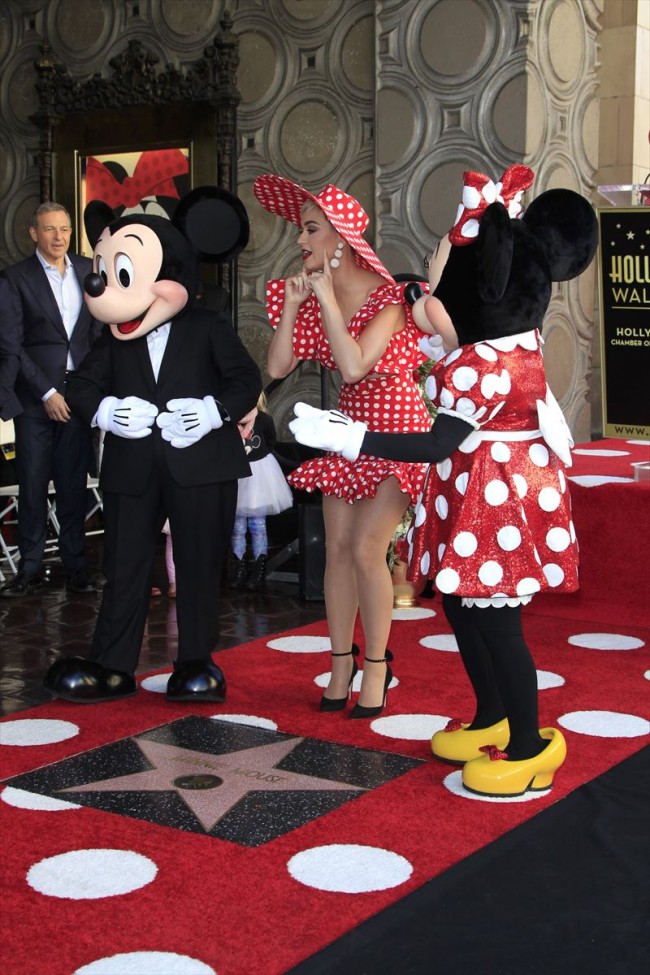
{"x":338,"y":254}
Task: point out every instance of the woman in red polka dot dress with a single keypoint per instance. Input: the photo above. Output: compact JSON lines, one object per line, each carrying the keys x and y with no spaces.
{"x":346,"y":311}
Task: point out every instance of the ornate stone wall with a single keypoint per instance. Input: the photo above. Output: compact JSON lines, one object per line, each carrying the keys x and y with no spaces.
{"x":391,"y":98}
{"x":306,"y":80}
{"x":471,"y":84}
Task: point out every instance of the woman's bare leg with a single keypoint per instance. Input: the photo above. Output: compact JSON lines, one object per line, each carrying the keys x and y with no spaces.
{"x":341,"y":601}
{"x":375,"y":520}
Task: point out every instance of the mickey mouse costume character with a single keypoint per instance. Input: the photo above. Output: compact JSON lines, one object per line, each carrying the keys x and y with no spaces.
{"x":168,"y":383}
{"x":493,"y":525}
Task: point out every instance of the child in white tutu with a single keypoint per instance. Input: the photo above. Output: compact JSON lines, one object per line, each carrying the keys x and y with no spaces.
{"x":264,"y":493}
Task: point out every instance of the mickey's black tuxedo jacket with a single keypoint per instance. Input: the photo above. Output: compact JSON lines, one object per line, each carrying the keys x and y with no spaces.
{"x":35,"y":323}
{"x":203,"y":356}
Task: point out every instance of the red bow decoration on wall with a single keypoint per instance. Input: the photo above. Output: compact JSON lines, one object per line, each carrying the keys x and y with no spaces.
{"x":479,"y":191}
{"x":153,"y":176}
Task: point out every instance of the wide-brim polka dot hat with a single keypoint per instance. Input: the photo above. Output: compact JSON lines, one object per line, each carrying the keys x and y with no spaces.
{"x":285,"y":198}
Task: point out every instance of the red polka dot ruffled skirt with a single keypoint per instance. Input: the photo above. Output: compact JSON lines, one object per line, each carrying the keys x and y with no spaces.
{"x":386,"y":404}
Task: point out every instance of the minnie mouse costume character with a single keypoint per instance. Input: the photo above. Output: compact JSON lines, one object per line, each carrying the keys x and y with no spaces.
{"x":168,"y":384}
{"x":493,"y":525}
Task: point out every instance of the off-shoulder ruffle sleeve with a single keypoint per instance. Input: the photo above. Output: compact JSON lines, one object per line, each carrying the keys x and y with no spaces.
{"x":309,"y":341}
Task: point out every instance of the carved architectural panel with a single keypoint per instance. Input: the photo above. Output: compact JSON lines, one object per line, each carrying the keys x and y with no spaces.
{"x":481,"y":85}
{"x":133,"y":85}
{"x":391,"y":98}
{"x":306,"y":78}
{"x":563,"y":56}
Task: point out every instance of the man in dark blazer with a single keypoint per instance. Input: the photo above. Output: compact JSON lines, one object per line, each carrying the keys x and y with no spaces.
{"x":9,"y":355}
{"x":48,"y":319}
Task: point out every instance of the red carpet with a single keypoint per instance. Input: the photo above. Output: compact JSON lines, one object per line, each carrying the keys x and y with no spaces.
{"x":91,"y":892}
{"x":238,"y":910}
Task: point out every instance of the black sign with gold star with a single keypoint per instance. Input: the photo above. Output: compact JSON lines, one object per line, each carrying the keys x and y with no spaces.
{"x":625,"y":320}
{"x":231,"y":781}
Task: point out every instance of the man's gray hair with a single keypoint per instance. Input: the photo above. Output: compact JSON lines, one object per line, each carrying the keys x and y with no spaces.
{"x":48,"y":207}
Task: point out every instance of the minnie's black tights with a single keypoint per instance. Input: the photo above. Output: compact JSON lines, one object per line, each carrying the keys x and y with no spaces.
{"x":501,"y":670}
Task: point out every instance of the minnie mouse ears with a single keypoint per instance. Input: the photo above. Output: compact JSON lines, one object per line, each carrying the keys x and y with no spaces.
{"x":211,"y":219}
{"x":214,"y":221}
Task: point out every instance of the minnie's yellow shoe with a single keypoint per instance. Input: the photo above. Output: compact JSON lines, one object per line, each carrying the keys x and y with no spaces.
{"x":492,"y":775}
{"x":458,"y":745}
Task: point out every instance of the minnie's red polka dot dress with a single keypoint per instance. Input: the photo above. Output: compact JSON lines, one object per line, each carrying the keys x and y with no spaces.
{"x":387,"y":401}
{"x":494,"y":521}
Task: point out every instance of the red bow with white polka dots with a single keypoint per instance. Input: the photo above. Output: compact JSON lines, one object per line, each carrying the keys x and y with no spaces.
{"x":479,"y":191}
{"x":153,"y":176}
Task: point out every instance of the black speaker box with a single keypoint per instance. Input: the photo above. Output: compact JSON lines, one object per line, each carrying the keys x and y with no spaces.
{"x":311,"y":552}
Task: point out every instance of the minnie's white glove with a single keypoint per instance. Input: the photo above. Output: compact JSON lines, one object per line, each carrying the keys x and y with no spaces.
{"x":131,"y":418}
{"x":189,"y":420}
{"x":554,"y":427}
{"x":328,"y":430}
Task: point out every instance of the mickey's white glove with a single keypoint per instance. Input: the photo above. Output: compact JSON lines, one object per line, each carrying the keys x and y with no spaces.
{"x":328,"y":430}
{"x":432,"y":347}
{"x":189,"y":420}
{"x":131,"y":418}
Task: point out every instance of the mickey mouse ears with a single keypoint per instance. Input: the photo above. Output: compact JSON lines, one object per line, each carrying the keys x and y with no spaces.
{"x":97,"y":216}
{"x":212,"y":220}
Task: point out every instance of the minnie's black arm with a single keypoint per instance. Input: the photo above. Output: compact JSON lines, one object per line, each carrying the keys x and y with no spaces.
{"x":445,"y":436}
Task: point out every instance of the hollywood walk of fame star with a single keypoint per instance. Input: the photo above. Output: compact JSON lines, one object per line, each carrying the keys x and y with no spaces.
{"x":210,"y":785}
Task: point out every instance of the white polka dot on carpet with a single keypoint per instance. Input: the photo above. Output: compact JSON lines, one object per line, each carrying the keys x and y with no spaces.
{"x":413,"y":613}
{"x":590,"y":452}
{"x":605,"y":641}
{"x":440,"y":641}
{"x":454,"y":783}
{"x":410,"y":727}
{"x":347,"y":868}
{"x":36,"y":731}
{"x":251,"y":719}
{"x":595,"y":480}
{"x":31,"y":800}
{"x":301,"y":644}
{"x":157,"y":683}
{"x":322,"y":680}
{"x":605,"y":724}
{"x":146,"y":963}
{"x":547,"y":679}
{"x":91,"y":874}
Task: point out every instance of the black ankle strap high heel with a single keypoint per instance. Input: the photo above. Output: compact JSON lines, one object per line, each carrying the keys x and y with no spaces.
{"x":358,"y":711}
{"x":338,"y":703}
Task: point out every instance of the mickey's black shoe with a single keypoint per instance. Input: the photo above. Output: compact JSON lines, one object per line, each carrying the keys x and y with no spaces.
{"x":197,"y":680}
{"x":84,"y":681}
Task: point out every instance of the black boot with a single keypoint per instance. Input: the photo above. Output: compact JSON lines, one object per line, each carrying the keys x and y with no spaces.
{"x":256,"y":574}
{"x":236,"y":572}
